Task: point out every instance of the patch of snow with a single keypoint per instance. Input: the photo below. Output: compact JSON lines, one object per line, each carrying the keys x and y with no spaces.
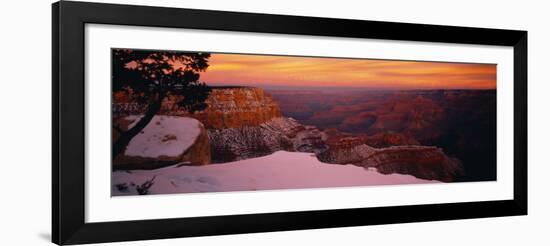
{"x":280,"y":170}
{"x":163,"y":136}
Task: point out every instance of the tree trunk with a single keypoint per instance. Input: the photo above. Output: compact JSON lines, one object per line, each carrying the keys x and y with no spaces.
{"x":122,"y":142}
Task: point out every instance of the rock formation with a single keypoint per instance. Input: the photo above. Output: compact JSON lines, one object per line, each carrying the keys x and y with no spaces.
{"x":238,"y":107}
{"x":166,"y":140}
{"x":230,"y":144}
{"x":425,"y":162}
{"x":231,"y":107}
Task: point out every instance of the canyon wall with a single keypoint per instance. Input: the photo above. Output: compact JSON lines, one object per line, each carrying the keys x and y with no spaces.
{"x":237,"y":107}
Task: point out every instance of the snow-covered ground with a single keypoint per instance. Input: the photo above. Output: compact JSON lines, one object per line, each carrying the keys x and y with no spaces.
{"x":154,"y":141}
{"x":280,"y":170}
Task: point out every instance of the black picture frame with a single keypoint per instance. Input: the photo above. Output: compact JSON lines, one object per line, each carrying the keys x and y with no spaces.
{"x":68,"y":105}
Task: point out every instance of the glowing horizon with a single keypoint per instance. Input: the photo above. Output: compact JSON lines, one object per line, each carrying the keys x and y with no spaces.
{"x":296,"y":71}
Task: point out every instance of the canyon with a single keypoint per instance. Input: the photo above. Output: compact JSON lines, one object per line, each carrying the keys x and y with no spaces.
{"x":387,"y":132}
{"x":460,"y":122}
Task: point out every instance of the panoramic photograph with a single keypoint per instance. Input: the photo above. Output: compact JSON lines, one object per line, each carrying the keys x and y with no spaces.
{"x":196,"y":122}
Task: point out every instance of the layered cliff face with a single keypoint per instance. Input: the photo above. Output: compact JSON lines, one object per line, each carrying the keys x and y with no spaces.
{"x":237,"y":107}
{"x":425,"y":162}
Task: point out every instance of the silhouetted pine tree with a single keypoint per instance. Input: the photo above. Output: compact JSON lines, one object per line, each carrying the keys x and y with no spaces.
{"x":150,"y":76}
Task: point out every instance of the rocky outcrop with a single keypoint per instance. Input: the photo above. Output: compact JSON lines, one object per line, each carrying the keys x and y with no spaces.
{"x":165,"y":141}
{"x":230,"y":107}
{"x":238,"y":107}
{"x":425,"y":162}
{"x":230,"y":144}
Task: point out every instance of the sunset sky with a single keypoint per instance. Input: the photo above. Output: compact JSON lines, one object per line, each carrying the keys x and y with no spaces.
{"x":285,"y":71}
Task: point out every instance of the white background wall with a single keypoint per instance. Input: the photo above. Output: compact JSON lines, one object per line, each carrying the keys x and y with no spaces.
{"x":25,"y":97}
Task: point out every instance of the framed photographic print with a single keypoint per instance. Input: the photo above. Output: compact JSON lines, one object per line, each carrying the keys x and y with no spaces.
{"x":175,"y":122}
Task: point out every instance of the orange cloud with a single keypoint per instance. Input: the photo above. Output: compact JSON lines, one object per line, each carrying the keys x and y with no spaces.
{"x":265,"y":70}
